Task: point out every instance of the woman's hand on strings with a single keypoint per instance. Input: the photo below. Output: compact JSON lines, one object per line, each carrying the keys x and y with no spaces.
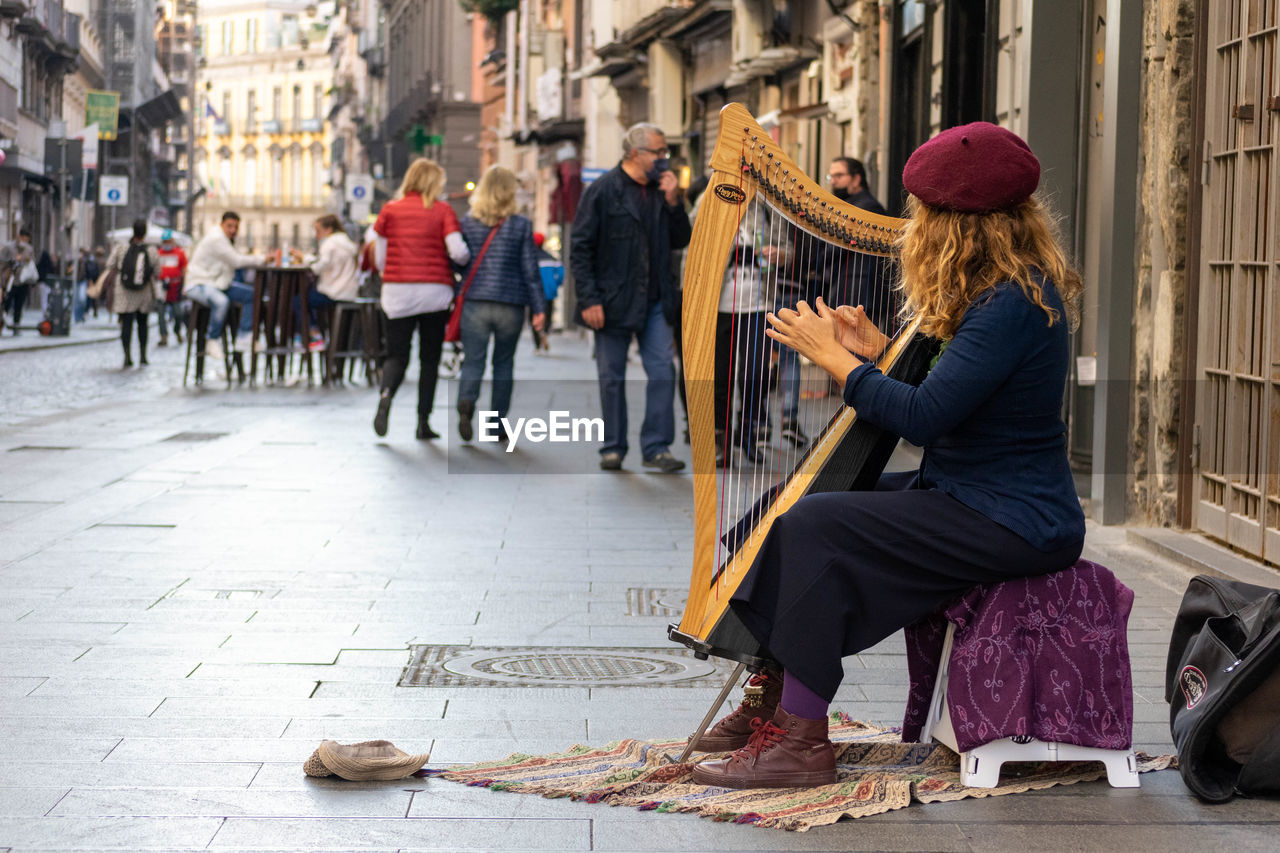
{"x":813,"y":334}
{"x":857,"y":333}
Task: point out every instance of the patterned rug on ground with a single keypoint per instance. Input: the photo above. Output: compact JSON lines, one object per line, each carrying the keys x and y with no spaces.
{"x":876,"y":773}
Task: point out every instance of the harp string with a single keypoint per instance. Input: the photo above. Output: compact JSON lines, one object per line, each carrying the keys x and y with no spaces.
{"x":806,"y":264}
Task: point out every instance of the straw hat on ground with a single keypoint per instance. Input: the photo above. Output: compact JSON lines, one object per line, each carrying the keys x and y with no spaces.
{"x":371,"y":761}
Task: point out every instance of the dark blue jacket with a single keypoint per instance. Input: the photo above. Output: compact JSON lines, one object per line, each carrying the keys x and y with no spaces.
{"x":509,"y":271}
{"x":611,"y":257}
{"x":989,"y":416}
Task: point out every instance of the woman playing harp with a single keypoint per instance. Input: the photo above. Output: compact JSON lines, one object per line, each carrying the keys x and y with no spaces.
{"x":993,"y":498}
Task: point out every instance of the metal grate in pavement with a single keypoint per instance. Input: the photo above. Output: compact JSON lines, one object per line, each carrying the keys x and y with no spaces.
{"x":645,"y":601}
{"x":559,"y":666}
{"x":196,"y":436}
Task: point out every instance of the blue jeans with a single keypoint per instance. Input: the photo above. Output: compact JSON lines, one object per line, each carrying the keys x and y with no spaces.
{"x":657,"y":354}
{"x":80,"y":301}
{"x":481,"y":320}
{"x":315,"y":301}
{"x":219,"y":301}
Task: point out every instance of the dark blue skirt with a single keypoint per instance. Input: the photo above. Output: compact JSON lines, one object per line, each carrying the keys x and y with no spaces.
{"x":840,"y":571}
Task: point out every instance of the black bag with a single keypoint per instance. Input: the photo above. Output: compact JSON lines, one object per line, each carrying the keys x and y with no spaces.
{"x":135,"y":269}
{"x":1222,"y":683}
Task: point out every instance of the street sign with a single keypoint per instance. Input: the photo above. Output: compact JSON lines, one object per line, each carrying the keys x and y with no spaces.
{"x":359,"y":188}
{"x":63,"y":155}
{"x":591,"y":174}
{"x":102,"y":109}
{"x":113,"y":190}
{"x":89,"y":160}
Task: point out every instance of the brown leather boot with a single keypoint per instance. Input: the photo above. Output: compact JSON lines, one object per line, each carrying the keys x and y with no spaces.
{"x":762,"y":694}
{"x":786,"y":752}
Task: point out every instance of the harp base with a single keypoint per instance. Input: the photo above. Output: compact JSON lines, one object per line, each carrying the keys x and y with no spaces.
{"x":703,"y":649}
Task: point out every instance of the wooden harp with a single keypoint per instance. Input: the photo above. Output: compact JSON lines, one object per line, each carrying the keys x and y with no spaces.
{"x":833,"y":243}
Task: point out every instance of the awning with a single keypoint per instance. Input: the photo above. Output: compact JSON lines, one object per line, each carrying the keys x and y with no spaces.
{"x":160,"y":110}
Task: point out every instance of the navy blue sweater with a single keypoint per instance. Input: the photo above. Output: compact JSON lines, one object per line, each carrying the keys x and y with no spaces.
{"x":509,"y":272}
{"x":989,"y":416}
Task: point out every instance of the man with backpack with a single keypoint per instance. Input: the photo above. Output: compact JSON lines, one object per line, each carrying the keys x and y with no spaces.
{"x":136,"y":269}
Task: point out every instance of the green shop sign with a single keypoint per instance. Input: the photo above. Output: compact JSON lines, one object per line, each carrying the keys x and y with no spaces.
{"x":102,"y":109}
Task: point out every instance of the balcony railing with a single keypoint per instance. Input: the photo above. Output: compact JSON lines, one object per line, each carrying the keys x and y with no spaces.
{"x":273,"y":125}
{"x":311,"y":125}
{"x":222,"y":128}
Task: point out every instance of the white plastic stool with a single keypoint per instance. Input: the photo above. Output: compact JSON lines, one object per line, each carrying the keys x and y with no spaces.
{"x":980,"y":767}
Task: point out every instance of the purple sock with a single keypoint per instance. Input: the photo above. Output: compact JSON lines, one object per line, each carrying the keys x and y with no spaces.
{"x":800,"y":700}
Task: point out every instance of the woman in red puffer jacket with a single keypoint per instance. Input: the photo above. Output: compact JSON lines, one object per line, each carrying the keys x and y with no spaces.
{"x":418,"y":235}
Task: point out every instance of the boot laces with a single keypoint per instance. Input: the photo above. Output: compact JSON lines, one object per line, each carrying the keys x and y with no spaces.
{"x":766,"y":735}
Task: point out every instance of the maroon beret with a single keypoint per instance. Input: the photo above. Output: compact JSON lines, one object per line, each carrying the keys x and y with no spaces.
{"x":973,"y":168}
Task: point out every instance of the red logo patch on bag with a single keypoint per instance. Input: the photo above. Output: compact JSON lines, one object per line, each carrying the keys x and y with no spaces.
{"x":1194,"y":685}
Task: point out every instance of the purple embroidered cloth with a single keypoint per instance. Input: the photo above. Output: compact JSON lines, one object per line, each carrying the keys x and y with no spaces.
{"x":1045,"y":656}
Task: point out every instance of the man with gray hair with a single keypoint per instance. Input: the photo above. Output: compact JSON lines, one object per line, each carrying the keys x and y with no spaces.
{"x":628,"y":222}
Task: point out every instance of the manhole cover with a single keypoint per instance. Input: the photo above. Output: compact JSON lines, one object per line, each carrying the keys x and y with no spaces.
{"x":464,"y":666}
{"x":195,"y":436}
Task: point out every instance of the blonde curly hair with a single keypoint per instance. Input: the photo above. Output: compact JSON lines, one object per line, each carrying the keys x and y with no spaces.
{"x":949,"y":258}
{"x":495,"y":198}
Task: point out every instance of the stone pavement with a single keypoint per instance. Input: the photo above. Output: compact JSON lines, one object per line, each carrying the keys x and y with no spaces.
{"x":199,"y":586}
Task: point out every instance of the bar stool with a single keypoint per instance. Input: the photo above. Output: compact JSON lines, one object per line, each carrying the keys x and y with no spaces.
{"x":350,"y":323}
{"x":197,"y":335}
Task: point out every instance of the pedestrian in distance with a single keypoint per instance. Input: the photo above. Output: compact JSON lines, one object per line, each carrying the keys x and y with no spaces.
{"x":628,"y":222}
{"x":20,"y":258}
{"x":173,"y":269}
{"x":552,"y":272}
{"x":97,"y":265}
{"x":418,"y":236}
{"x":501,"y":281}
{"x":210,"y":281}
{"x":840,"y":571}
{"x":137,"y":288}
{"x":80,"y":300}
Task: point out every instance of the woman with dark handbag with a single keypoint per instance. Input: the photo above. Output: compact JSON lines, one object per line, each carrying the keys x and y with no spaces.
{"x":499,"y":285}
{"x":418,"y":235}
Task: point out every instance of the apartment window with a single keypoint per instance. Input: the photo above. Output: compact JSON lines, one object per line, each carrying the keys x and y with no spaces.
{"x":277,"y":97}
{"x":317,"y":176}
{"x":224,"y":174}
{"x":296,"y":115}
{"x":295,"y":179}
{"x":251,"y":111}
{"x":251,"y":36}
{"x":275,"y":235}
{"x":317,"y":108}
{"x":226,"y":107}
{"x":277,"y":188}
{"x":251,"y":177}
{"x":228,"y":36}
{"x":297,"y":236}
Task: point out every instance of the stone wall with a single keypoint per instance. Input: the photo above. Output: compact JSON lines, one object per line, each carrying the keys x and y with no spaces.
{"x":1167,"y":167}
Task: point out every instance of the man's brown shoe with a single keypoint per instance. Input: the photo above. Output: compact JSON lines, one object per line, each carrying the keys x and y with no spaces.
{"x":763,"y":692}
{"x":786,"y":752}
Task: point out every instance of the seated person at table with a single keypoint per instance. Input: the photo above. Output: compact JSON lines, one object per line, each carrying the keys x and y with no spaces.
{"x":335,"y":269}
{"x":993,"y":498}
{"x":209,"y":282}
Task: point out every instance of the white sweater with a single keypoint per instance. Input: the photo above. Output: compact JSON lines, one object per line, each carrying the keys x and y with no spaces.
{"x":335,"y":268}
{"x":215,"y":261}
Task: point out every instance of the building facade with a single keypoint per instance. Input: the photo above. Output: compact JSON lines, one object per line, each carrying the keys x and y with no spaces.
{"x":262,"y":131}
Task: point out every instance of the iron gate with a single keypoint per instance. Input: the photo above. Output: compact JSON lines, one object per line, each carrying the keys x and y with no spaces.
{"x":1237,"y":477}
